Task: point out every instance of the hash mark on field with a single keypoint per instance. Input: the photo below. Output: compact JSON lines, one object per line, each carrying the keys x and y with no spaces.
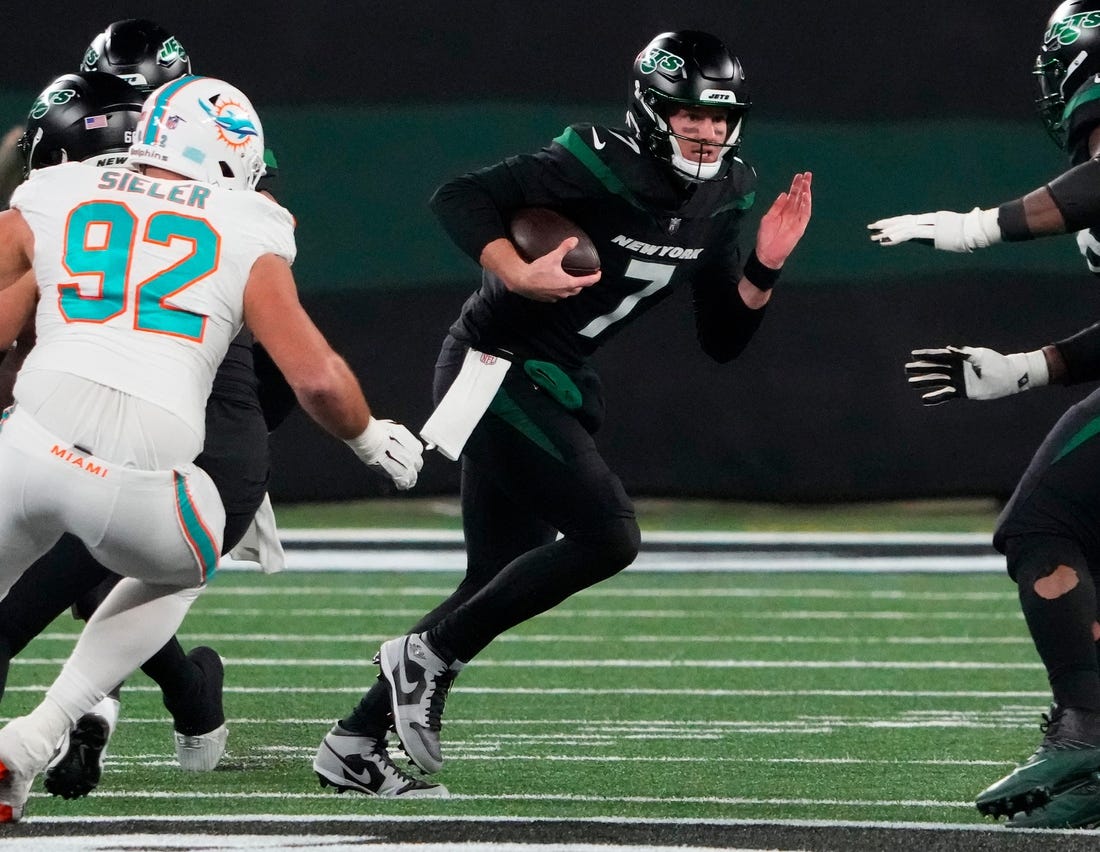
{"x":582,"y":638}
{"x":459,"y":750}
{"x":888,"y":665}
{"x":576,"y":612}
{"x":656,"y":593}
{"x":1038,"y":695}
{"x":537,"y":797}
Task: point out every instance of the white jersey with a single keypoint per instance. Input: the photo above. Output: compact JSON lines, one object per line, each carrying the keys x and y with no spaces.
{"x":141,"y":280}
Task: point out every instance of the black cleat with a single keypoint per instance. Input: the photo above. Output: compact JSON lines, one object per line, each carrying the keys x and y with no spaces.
{"x":78,"y":770}
{"x":348,"y":761}
{"x":1068,"y":755}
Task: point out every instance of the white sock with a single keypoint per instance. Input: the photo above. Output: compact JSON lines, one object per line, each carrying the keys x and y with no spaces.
{"x":133,"y":623}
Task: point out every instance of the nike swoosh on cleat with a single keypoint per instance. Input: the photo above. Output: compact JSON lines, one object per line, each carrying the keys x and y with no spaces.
{"x":597,"y":143}
{"x":404,"y":685}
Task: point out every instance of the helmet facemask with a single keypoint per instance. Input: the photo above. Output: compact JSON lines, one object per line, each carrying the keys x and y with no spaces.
{"x":692,"y":165}
{"x":1051,"y":75}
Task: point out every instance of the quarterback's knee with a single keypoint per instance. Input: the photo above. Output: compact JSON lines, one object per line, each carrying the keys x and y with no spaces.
{"x":615,"y":543}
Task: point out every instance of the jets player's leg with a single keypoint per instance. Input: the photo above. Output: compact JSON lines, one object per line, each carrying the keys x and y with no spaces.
{"x":538,"y":456}
{"x":354,"y":753}
{"x":1046,"y":532}
{"x":43,"y":593}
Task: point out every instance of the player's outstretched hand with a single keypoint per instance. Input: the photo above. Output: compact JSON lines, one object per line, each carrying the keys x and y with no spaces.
{"x":388,"y":448}
{"x":967,"y":372}
{"x":943,"y":230}
{"x":785,"y":222}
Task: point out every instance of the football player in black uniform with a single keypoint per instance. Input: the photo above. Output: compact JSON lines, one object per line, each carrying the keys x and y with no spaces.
{"x":663,"y":200}
{"x":1050,"y":529}
{"x":123,"y":63}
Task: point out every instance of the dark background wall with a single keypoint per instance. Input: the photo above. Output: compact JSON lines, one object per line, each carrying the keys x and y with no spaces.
{"x":807,"y":60}
{"x":894,"y":107}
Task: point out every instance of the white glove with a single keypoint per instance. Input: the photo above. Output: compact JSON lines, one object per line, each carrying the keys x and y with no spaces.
{"x":946,"y":231}
{"x":969,"y":373}
{"x":390,"y":449}
{"x":1090,"y":249}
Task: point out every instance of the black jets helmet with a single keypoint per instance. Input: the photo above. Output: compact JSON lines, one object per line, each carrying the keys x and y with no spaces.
{"x":1070,"y":55}
{"x":686,"y":68}
{"x":89,"y":116}
{"x":142,"y":53}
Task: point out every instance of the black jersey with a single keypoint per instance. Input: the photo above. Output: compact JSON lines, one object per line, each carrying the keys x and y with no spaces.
{"x":652,"y":231}
{"x":235,"y":380}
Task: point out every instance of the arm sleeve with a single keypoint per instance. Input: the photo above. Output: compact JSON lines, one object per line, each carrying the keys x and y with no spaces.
{"x":474,"y":208}
{"x":724,"y":324}
{"x":1076,"y":193}
{"x":1081,"y":352}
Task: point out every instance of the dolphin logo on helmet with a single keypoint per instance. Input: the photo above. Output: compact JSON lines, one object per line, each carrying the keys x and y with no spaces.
{"x":202,"y":128}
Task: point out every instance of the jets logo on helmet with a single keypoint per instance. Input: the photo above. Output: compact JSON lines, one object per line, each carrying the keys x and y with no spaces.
{"x":49,"y":98}
{"x":204,"y":129}
{"x":171,"y":51}
{"x":655,"y":59}
{"x":139,"y":51}
{"x":1068,"y":30}
{"x":84,"y":117}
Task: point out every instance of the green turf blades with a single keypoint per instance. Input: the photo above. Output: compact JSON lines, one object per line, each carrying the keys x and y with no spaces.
{"x":1077,"y":807}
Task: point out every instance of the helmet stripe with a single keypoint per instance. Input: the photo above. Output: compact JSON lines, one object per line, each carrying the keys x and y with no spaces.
{"x":161,"y":106}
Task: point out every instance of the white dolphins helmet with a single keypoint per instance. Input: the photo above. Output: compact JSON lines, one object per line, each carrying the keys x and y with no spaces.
{"x":204,"y":129}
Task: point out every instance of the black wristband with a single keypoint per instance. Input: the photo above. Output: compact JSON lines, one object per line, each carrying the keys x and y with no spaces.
{"x":760,"y":276}
{"x":1013,"y":221}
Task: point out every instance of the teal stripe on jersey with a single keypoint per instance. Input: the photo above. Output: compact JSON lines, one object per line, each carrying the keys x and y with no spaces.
{"x":197,"y":535}
{"x":161,"y":106}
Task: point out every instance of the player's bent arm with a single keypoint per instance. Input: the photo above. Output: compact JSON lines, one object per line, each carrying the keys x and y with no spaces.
{"x":542,"y":280}
{"x":322,"y":381}
{"x":725,"y":320}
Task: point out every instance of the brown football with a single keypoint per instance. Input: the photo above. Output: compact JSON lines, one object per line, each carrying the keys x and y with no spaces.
{"x":538,"y":230}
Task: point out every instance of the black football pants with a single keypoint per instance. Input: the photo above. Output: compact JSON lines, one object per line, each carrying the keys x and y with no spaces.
{"x":1050,"y":534}
{"x":529,"y":471}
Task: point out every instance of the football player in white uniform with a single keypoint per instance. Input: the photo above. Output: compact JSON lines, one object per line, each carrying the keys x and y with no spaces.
{"x":141,"y":277}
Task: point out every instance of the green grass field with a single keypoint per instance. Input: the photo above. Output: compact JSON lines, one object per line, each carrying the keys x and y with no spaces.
{"x":958,"y":515}
{"x":772,"y":696}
